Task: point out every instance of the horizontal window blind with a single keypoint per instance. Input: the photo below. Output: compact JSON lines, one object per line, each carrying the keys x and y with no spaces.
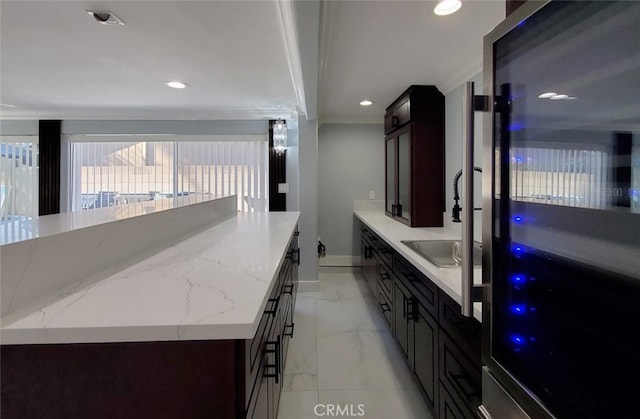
{"x":107,"y":173}
{"x":569,"y":177}
{"x":18,"y":177}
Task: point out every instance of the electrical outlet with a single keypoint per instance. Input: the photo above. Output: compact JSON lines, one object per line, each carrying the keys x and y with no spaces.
{"x":372,"y":194}
{"x":283,"y":188}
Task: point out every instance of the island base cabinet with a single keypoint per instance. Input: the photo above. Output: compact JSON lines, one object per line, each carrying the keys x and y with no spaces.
{"x":120,"y":380}
{"x":222,"y":379}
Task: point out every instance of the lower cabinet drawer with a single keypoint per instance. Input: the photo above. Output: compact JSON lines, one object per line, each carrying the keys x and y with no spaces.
{"x":420,"y":286}
{"x":449,"y":409}
{"x":385,"y":281}
{"x":460,"y":375}
{"x":465,"y":331}
{"x":385,"y":306}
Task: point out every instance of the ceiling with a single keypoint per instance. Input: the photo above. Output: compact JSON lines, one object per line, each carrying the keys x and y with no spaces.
{"x":240,"y":58}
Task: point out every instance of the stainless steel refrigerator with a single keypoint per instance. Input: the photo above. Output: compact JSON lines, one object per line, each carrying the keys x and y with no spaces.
{"x":561,"y":219}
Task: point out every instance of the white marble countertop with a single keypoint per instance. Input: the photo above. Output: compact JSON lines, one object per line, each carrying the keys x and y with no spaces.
{"x":213,"y":285}
{"x":47,"y":225}
{"x":391,"y":231}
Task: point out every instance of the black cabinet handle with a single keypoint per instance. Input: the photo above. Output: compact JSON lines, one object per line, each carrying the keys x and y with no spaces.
{"x":275,"y":349}
{"x":296,"y":233}
{"x":408,"y":307}
{"x":368,"y":252}
{"x":288,"y":289}
{"x":274,"y":306}
{"x":404,"y":307}
{"x":411,"y":306}
{"x":292,"y":327}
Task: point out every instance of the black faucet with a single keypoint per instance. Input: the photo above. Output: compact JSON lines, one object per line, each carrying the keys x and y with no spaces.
{"x":455,"y":211}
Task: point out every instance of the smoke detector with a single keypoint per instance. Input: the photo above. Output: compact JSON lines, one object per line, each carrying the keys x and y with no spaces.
{"x":106,"y":18}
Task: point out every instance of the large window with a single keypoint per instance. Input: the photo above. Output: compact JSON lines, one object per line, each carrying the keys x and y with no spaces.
{"x":18,"y":178}
{"x":109,"y":170}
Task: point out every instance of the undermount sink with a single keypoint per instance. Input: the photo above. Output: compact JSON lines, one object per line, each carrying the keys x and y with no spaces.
{"x":442,"y":253}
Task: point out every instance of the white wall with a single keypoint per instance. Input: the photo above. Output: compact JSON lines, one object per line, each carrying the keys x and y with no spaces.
{"x":19,"y":127}
{"x":308,"y":190}
{"x":350,"y":164}
{"x":165,"y":127}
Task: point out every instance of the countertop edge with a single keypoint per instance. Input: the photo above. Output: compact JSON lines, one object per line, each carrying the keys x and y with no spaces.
{"x":144,"y":333}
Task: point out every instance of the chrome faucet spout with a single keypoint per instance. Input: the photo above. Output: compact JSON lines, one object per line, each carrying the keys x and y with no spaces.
{"x":455,"y":211}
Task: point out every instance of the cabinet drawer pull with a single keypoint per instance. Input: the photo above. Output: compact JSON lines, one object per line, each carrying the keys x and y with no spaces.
{"x":411,"y":307}
{"x":275,"y":349}
{"x":458,"y":380}
{"x":292,"y":327}
{"x":274,"y":306}
{"x":368,"y":252}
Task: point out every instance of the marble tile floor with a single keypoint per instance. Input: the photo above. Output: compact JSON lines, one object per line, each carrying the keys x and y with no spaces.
{"x":343,"y":354}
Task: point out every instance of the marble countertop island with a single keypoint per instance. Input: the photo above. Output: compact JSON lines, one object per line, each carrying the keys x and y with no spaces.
{"x":393,"y":232}
{"x":211,"y":285}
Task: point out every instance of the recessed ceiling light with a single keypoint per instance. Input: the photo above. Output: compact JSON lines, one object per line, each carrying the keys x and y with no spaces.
{"x":366,"y":103}
{"x":176,"y":84}
{"x":447,"y":7}
{"x":105,"y":18}
{"x":559,"y":97}
{"x":546,"y":95}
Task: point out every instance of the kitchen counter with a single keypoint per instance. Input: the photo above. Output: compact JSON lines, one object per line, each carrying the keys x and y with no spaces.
{"x":212,"y":285}
{"x":393,"y":232}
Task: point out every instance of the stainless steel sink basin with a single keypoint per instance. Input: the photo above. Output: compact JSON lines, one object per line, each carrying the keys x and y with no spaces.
{"x":442,"y":253}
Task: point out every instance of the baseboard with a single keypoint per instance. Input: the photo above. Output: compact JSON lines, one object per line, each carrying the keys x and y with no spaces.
{"x":340,"y":260}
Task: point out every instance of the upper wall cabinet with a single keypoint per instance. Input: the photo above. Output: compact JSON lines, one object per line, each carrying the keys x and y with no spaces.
{"x":414,"y":157}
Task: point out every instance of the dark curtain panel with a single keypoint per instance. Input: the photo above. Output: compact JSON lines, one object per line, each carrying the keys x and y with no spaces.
{"x":49,"y":166}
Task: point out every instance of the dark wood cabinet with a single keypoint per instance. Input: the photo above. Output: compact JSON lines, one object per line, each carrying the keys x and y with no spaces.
{"x":448,"y":407}
{"x":440,"y":346}
{"x":425,"y":350}
{"x":368,"y":259}
{"x":279,"y":314}
{"x":414,"y":157}
{"x":416,"y":332}
{"x":401,"y":319}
